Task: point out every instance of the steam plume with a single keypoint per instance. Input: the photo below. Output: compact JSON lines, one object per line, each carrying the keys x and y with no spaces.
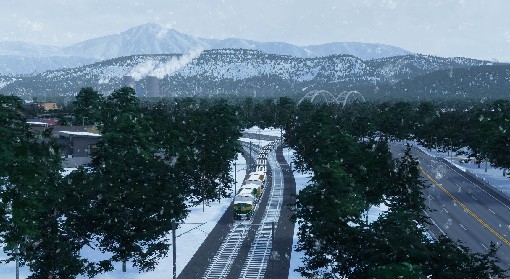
{"x":160,"y":70}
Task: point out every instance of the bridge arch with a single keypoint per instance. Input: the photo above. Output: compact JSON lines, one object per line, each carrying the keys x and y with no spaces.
{"x":319,"y":96}
{"x":351,"y":96}
{"x":342,"y":98}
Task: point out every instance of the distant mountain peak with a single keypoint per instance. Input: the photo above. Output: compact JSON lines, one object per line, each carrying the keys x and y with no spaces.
{"x":152,"y":38}
{"x":154,"y":29}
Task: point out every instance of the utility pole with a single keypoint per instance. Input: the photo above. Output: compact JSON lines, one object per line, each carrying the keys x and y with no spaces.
{"x":17,"y":261}
{"x":174,"y":250}
{"x":174,"y":244}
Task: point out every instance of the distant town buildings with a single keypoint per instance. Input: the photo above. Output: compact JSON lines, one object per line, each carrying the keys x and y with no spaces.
{"x":77,"y":143}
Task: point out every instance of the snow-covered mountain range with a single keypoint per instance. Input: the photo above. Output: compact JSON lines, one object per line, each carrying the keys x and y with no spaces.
{"x":237,"y":72}
{"x":156,"y":39}
{"x":189,"y":66}
{"x":25,"y":58}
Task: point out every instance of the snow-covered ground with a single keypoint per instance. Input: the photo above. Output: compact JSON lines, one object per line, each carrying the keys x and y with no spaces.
{"x":190,"y":236}
{"x":301,"y":181}
{"x":198,"y":224}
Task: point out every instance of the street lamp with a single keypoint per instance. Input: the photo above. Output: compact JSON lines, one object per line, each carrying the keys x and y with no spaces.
{"x":451,"y":149}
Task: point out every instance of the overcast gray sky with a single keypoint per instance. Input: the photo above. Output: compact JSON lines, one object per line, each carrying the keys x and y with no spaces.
{"x":469,"y":28}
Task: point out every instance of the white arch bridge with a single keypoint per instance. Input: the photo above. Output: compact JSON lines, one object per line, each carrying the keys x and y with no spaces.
{"x":328,"y":98}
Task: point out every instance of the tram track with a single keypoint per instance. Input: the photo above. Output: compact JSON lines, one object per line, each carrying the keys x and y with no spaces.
{"x":255,"y":265}
{"x":260,"y":246}
{"x":224,"y":258}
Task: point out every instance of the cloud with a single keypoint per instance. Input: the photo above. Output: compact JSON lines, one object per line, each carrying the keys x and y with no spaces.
{"x":161,"y":70}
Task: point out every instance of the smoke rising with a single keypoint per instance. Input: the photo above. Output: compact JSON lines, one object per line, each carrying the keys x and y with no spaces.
{"x":161,"y":70}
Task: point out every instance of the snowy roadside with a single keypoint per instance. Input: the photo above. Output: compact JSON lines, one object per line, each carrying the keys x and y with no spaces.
{"x":301,"y":182}
{"x":493,"y":176}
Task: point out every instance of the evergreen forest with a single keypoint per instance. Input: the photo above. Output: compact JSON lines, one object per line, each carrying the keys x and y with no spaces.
{"x":156,"y":159}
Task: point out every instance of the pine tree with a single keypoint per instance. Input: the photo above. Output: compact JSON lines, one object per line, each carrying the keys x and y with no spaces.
{"x":32,"y":205}
{"x":136,"y":197}
{"x":199,"y":139}
{"x":87,"y":107}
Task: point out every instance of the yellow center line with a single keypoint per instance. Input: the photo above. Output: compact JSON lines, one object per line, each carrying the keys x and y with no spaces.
{"x":503,"y":239}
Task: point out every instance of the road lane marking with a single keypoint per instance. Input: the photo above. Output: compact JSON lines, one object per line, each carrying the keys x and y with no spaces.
{"x":466,"y":209}
{"x":484,"y":246}
{"x":456,"y":170}
{"x":492,"y":211}
{"x":434,"y":223}
{"x":463,"y":227}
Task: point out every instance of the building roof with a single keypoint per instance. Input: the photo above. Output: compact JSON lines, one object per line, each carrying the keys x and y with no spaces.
{"x":84,"y":134}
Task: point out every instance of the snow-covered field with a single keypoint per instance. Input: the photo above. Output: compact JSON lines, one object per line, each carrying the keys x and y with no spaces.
{"x":197,"y":226}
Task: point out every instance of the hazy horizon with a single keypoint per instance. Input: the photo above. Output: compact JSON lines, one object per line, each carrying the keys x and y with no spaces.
{"x":447,"y":28}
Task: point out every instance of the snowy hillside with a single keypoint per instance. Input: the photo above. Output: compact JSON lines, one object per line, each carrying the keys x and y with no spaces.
{"x":233,"y":72}
{"x":4,"y":80}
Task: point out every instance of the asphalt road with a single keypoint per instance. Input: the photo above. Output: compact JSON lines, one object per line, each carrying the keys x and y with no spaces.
{"x":463,"y":207}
